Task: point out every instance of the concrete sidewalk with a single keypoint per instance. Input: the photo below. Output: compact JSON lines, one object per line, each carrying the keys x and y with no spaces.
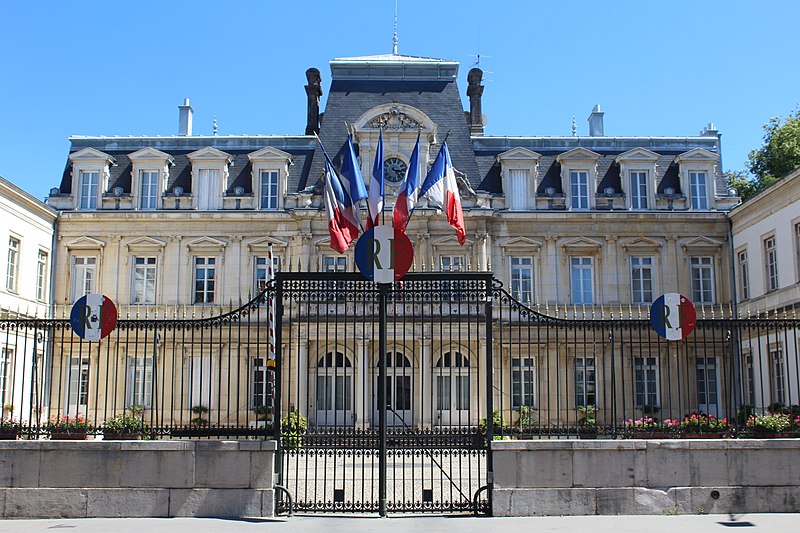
{"x":774,"y":523}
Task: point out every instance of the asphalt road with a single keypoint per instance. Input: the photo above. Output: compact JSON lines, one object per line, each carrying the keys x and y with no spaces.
{"x":773,"y":523}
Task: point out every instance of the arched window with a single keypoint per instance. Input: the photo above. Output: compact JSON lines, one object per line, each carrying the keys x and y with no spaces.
{"x":334,"y":392}
{"x":399,"y":380}
{"x":452,"y":372}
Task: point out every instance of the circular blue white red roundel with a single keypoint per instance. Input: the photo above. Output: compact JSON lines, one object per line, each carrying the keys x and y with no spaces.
{"x":673,"y":316}
{"x":93,"y":317}
{"x":384,"y":254}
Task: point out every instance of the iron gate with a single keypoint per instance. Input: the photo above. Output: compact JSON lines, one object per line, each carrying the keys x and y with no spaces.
{"x":432,"y":376}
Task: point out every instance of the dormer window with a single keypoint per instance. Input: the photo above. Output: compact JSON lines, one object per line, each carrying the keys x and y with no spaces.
{"x":90,"y":173}
{"x":209,"y":176}
{"x":150,"y":173}
{"x":638,"y":169}
{"x":579,"y":176}
{"x":270,"y":171}
{"x":697,"y":177}
{"x":519,"y":175}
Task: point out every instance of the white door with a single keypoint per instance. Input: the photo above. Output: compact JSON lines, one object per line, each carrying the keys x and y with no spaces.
{"x":708,"y":386}
{"x":77,"y":393}
{"x":334,"y":390}
{"x":453,"y":389}
{"x":399,"y":377}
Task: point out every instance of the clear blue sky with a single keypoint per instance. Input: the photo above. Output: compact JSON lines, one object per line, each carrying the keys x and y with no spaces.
{"x":122,"y":68}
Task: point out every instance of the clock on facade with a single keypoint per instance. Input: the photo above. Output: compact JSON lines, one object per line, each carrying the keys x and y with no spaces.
{"x":394,"y":169}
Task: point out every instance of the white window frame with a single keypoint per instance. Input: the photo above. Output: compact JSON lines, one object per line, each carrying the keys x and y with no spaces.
{"x":582,"y":264}
{"x":334,"y":263}
{"x":646,"y":382}
{"x":778,"y":364}
{"x":139,"y":383}
{"x":519,"y":179}
{"x":699,"y":265}
{"x":77,"y":389}
{"x":452,"y":263}
{"x":744,"y":274}
{"x":585,"y":381}
{"x":258,"y":377}
{"x":770,"y":247}
{"x":797,"y":248}
{"x":334,"y":391}
{"x":149,"y":181}
{"x":147,"y":265}
{"x":208,"y":264}
{"x":522,"y":289}
{"x":268,"y":201}
{"x":638,"y":181}
{"x":88,"y":188}
{"x":577,"y":199}
{"x":6,"y":364}
{"x":41,"y":275}
{"x":699,"y":199}
{"x":260,"y":270}
{"x":12,"y":265}
{"x":638,"y":266}
{"x":84,"y":272}
{"x":523,"y":382}
{"x":707,"y":374}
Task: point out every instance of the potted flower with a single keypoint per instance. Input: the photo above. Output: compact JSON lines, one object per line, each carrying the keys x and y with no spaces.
{"x":587,"y":424}
{"x":123,"y":427}
{"x":199,"y":419}
{"x":698,"y":425}
{"x":67,"y":427}
{"x":9,"y":429}
{"x":648,"y":427}
{"x":769,"y":425}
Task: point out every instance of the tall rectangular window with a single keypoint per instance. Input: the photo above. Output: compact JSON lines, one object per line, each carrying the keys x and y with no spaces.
{"x":579,"y":189}
{"x":269,"y":189}
{"x":519,"y":189}
{"x":144,"y":280}
{"x":582,"y":280}
{"x":12,"y":274}
{"x":642,"y":280}
{"x":707,"y":384}
{"x":750,"y":383}
{"x":6,"y":358}
{"x":259,"y":382}
{"x":78,"y":385}
{"x":744,"y":275}
{"x":205,"y":278}
{"x":334,"y":263}
{"x":771,"y":263}
{"x":523,"y":381}
{"x":639,"y":190}
{"x":778,"y":375}
{"x":645,"y":374}
{"x":797,"y":248}
{"x":41,"y":276}
{"x":522,"y":279}
{"x":148,"y":189}
{"x":139,"y":390}
{"x":84,"y":274}
{"x":585,"y":384}
{"x":702,"y":280}
{"x":260,"y":277}
{"x":699,"y":190}
{"x":87,"y":190}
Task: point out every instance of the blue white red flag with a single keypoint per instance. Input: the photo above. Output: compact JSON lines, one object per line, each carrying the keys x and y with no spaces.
{"x":407,"y":199}
{"x":342,"y":229}
{"x":442,"y":190}
{"x":353,"y":184}
{"x":376,"y":187}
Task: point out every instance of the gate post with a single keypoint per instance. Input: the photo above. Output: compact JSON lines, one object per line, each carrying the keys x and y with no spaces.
{"x":383,"y":289}
{"x":489,"y":391}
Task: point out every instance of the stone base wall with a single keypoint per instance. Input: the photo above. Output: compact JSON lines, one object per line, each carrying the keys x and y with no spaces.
{"x":72,"y":479}
{"x":579,"y":477}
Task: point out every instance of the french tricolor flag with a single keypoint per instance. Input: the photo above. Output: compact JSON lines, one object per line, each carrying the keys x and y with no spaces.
{"x":441,"y":189}
{"x":407,"y":199}
{"x":343,"y":231}
{"x":376,"y":187}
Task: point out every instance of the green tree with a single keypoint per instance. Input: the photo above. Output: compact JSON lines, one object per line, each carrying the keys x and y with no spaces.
{"x":780,"y":153}
{"x":746,"y":186}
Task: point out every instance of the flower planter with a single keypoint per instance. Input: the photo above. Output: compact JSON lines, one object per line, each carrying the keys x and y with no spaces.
{"x":769,"y":435}
{"x":709,"y":435}
{"x":9,"y":435}
{"x":109,"y":435}
{"x":75,"y":435}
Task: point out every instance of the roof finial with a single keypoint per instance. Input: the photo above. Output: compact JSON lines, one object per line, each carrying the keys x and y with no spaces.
{"x":574,"y":127}
{"x":394,"y":41}
{"x":216,"y":129}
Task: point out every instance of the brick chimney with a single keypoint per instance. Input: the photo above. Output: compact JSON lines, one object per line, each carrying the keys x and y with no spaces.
{"x":185,"y":118}
{"x":474,"y":92}
{"x":596,"y":122}
{"x":313,"y":91}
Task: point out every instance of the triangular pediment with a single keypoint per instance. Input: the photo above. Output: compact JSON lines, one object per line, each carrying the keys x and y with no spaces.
{"x":206,"y":242}
{"x":521,"y":242}
{"x":518,"y":154}
{"x":150,"y":154}
{"x":146,"y":242}
{"x":269,"y":153}
{"x":697,"y":154}
{"x":641,"y":243}
{"x":86,"y":243}
{"x":209,"y":154}
{"x":637,"y":154}
{"x":264,"y":243}
{"x":90,"y":154}
{"x":448,"y":240}
{"x":702,"y":242}
{"x":578,"y":154}
{"x":582,"y":244}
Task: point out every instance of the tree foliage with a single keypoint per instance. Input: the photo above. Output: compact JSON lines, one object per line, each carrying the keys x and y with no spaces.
{"x":746,"y":186}
{"x":780,"y":153}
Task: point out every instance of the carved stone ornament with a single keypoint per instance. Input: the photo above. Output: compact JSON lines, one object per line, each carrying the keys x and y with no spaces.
{"x":394,"y":120}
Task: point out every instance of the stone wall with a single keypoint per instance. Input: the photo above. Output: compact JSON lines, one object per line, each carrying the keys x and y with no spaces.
{"x":44,"y":479}
{"x":584,"y":477}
